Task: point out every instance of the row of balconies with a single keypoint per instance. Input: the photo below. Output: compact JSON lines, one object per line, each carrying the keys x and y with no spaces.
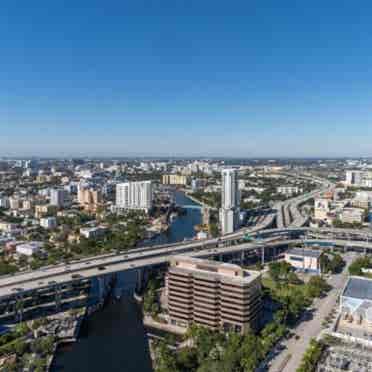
{"x":188,"y":296}
{"x":214,"y":313}
{"x":210,"y":289}
{"x":212,"y":285}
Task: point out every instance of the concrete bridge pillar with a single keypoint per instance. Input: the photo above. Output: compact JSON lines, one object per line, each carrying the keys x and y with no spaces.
{"x":242,"y":257}
{"x":58,"y":297}
{"x":263,"y":255}
{"x":139,"y":279}
{"x":101,"y":287}
{"x":18,"y":308}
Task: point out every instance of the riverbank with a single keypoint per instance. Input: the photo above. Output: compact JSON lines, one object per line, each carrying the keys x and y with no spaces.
{"x":115,"y":339}
{"x":112,"y":339}
{"x":188,"y":193}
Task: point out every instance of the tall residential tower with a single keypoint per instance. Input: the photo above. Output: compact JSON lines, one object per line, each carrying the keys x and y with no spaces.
{"x":134,"y":195}
{"x":229,"y":212}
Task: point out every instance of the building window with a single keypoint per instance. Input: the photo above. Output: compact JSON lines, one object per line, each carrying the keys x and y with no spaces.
{"x":296,"y":258}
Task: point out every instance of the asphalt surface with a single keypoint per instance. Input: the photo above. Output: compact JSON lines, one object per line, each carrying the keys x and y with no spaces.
{"x":290,"y":352}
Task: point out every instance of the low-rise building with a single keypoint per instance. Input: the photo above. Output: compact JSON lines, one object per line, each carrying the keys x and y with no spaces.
{"x":321,"y":209}
{"x":27,"y":205}
{"x":175,"y":179}
{"x":93,"y":232}
{"x":14,"y":203}
{"x":304,"y":259}
{"x":352,"y":215}
{"x":4,"y":202}
{"x":198,"y":184}
{"x":201,"y":235}
{"x":356,"y":308}
{"x":8,"y":227}
{"x":44,"y":210}
{"x":288,"y":190}
{"x":29,"y":249}
{"x":48,"y":222}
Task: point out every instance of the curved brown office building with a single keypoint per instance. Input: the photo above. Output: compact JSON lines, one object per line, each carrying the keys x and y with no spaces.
{"x":213,"y":294}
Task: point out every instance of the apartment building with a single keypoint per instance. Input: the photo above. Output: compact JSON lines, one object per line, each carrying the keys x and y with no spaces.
{"x":359,"y":178}
{"x":174,"y":179}
{"x":134,"y":195}
{"x":58,"y":197}
{"x":48,"y":222}
{"x":229,"y":212}
{"x":44,"y":210}
{"x":213,"y":294}
{"x":89,"y":198}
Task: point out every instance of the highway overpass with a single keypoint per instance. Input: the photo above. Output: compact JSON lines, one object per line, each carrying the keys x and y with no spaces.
{"x":140,"y":258}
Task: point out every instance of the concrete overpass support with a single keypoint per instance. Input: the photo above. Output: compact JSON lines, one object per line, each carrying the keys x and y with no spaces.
{"x":18,"y":308}
{"x":102,"y":287}
{"x":140,"y":275}
{"x":58,"y":297}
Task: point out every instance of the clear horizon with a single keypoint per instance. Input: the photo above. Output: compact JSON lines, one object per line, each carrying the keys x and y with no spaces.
{"x":187,"y":79}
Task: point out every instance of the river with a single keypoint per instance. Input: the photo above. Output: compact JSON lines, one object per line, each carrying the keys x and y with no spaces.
{"x":114,"y":339}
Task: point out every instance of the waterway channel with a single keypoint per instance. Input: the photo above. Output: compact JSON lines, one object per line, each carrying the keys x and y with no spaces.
{"x":114,"y":339}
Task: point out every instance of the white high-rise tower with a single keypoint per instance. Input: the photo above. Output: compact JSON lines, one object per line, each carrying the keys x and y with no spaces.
{"x":229,"y":212}
{"x":134,"y":195}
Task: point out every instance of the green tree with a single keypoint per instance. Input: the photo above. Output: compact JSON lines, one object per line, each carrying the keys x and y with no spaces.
{"x":20,"y":347}
{"x":165,"y":360}
{"x":311,"y":357}
{"x":360,"y":263}
{"x":251,"y":353}
{"x":279,"y":271}
{"x":213,"y":230}
{"x":317,"y":286}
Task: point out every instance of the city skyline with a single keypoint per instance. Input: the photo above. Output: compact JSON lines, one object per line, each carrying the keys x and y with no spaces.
{"x":187,"y":79}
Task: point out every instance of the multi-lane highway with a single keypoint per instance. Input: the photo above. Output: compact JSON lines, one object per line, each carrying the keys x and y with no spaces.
{"x":147,"y":257}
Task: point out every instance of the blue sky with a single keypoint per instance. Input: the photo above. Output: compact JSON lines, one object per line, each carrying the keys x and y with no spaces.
{"x":223,"y":78}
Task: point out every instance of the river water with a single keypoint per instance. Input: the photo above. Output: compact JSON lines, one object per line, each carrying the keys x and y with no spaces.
{"x":114,"y":339}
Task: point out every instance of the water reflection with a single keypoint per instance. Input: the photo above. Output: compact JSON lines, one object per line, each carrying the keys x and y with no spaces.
{"x":114,"y":339}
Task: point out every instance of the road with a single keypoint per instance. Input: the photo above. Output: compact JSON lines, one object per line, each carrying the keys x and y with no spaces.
{"x":293,"y":349}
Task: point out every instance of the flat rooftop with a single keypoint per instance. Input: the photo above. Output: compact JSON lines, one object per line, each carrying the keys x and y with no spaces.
{"x":358,"y":287}
{"x":305,"y":252}
{"x":213,"y":268}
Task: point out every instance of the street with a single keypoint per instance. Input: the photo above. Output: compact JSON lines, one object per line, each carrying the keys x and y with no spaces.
{"x":293,"y":349}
